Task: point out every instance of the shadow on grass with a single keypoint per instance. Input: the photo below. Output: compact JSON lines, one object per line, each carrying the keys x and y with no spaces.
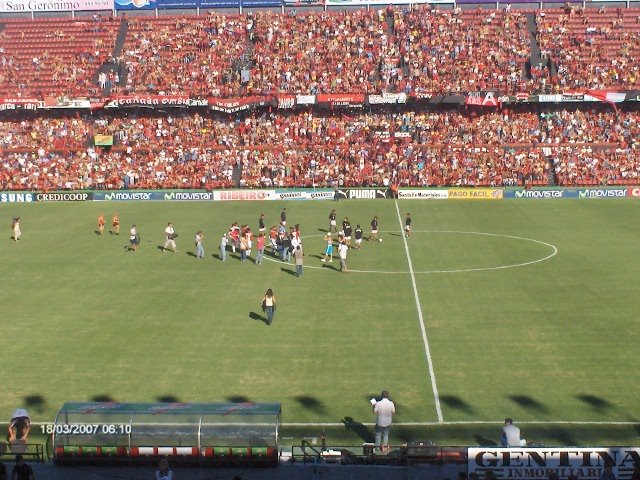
{"x":191,"y":254}
{"x":257,"y":317}
{"x":457,"y":403}
{"x":359,"y":429}
{"x":104,"y":398}
{"x":484,"y":442}
{"x":331,"y":267}
{"x":168,"y":399}
{"x":289,"y":271}
{"x":238,"y":399}
{"x":323,"y":230}
{"x":35,"y":402}
{"x":529,"y":403}
{"x":596,"y":403}
{"x":310,"y":403}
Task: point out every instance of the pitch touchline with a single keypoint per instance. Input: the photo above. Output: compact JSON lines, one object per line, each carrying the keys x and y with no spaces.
{"x":427,"y":350}
{"x":470,"y":422}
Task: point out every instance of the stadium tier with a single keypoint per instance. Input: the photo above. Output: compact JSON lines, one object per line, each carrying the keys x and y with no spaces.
{"x":194,"y":149}
{"x":398,"y":50}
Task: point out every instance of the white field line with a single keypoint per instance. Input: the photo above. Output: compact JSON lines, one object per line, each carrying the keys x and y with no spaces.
{"x":427,"y":351}
{"x":444,"y":423}
{"x":470,"y":422}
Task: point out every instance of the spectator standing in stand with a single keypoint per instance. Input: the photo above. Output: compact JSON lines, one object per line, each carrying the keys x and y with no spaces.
{"x":164,"y":472}
{"x":21,"y":470}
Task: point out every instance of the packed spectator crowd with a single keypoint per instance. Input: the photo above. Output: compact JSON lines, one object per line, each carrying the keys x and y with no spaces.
{"x":423,"y":49}
{"x":590,"y":48}
{"x":407,"y":148}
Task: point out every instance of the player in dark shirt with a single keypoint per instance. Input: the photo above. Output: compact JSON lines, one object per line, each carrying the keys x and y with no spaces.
{"x":374,"y":229}
{"x":283,"y":216}
{"x":261,"y":227}
{"x":407,"y":226}
{"x":358,"y":234}
{"x":332,"y":221}
{"x":348,"y":231}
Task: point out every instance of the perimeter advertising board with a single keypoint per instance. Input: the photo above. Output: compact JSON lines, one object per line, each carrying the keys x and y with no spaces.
{"x":475,"y":193}
{"x":13,"y":6}
{"x":538,"y":463}
{"x":424,"y":194}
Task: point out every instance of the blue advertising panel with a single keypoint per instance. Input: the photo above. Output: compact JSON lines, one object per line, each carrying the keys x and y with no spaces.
{"x":135,"y":4}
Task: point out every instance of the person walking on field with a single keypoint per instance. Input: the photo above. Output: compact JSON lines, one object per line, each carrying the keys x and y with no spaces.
{"x":384,"y":410}
{"x":101,"y":223}
{"x":343,"y":248}
{"x":298,"y":255}
{"x":115,"y":225}
{"x":328,"y":253}
{"x":15,"y":226}
{"x":260,"y":248}
{"x":170,"y":238}
{"x":199,"y":245}
{"x":269,"y":305}
{"x":407,"y":226}
{"x":223,"y":247}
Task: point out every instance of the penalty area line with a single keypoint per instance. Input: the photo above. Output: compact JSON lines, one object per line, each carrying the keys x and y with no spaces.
{"x":425,"y":341}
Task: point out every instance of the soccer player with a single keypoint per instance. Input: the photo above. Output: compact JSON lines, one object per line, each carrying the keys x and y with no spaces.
{"x":348,"y":230}
{"x":328,"y":252}
{"x":407,"y":226}
{"x":115,"y":224}
{"x":358,"y":234}
{"x":170,"y":238}
{"x":374,"y":229}
{"x":261,"y":226}
{"x":101,"y":224}
{"x":283,"y":216}
{"x":332,"y":222}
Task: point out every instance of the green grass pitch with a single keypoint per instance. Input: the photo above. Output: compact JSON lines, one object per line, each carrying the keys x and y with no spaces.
{"x":552,"y":338}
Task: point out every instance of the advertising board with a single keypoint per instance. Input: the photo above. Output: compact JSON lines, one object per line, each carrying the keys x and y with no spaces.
{"x":537,"y":463}
{"x":476,"y":193}
{"x":424,"y":194}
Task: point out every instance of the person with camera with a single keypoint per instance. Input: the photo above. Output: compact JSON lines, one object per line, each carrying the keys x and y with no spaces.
{"x":269,"y":305}
{"x":199,"y":245}
{"x":170,"y":238}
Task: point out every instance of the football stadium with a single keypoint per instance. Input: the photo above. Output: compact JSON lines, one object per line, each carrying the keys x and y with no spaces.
{"x":269,"y":239}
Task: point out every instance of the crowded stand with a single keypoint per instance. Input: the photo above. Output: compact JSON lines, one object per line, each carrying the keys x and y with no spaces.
{"x":266,"y":149}
{"x":186,"y":54}
{"x":461,"y":51}
{"x":590,"y":49}
{"x":53,"y":57}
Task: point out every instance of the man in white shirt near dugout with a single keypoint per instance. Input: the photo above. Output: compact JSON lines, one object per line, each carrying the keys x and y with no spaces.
{"x":384,"y":410}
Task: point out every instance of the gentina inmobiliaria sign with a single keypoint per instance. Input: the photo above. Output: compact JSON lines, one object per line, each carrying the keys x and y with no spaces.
{"x":538,"y":463}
